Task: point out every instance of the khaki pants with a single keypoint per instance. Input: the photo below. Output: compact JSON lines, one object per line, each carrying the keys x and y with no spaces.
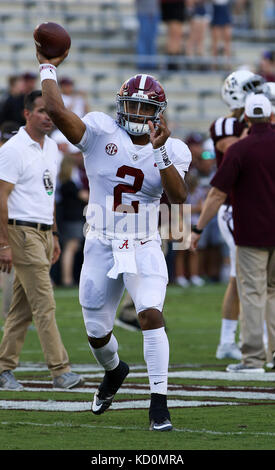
{"x":256,"y":287}
{"x":7,"y":284}
{"x":33,"y":298}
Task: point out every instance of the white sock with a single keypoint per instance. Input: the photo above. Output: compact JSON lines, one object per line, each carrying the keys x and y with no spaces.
{"x":228,"y":331}
{"x":107,"y":356}
{"x":156,"y":355}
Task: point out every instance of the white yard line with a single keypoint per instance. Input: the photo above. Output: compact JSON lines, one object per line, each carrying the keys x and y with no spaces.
{"x":34,"y":367}
{"x":93,"y":371}
{"x":50,"y":405}
{"x":213,"y":375}
{"x":244,"y":395}
{"x":204,"y":375}
{"x":133,"y":428}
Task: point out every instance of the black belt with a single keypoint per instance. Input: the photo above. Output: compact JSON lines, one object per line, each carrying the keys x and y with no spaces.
{"x":42,"y":227}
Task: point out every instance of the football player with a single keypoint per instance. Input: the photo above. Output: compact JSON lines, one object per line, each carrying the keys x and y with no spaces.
{"x":129,"y":161}
{"x":225,"y":131}
{"x":269,"y":91}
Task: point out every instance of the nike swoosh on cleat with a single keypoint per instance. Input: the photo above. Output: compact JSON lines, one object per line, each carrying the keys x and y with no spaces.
{"x":156,"y":383}
{"x":103,"y":403}
{"x":95,"y":406}
{"x":158,"y":427}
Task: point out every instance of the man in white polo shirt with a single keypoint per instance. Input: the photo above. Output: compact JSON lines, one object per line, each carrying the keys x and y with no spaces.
{"x":29,"y":241}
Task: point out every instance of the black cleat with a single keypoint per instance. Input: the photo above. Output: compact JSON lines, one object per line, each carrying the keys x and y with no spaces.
{"x":159,"y":415}
{"x":164,"y":425}
{"x":112,"y":381}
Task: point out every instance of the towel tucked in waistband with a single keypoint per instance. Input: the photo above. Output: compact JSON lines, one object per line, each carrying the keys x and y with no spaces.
{"x":124,"y":258}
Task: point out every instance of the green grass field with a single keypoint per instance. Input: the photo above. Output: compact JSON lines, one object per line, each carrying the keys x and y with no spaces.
{"x":210,"y":409}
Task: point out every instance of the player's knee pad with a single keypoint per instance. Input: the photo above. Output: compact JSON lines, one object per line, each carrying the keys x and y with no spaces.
{"x":151,"y":294}
{"x":90,"y":295}
{"x":98,"y":324}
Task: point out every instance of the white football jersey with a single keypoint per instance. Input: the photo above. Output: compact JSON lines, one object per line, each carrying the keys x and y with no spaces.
{"x":124,"y":177}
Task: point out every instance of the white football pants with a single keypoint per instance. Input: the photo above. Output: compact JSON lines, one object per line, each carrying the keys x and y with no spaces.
{"x":100,"y":295}
{"x":225,"y":222}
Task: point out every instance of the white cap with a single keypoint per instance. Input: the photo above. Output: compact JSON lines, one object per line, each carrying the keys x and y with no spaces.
{"x":257,"y":106}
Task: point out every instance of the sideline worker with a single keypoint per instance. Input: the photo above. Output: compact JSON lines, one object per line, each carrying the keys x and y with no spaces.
{"x":29,"y":241}
{"x":248,"y":170}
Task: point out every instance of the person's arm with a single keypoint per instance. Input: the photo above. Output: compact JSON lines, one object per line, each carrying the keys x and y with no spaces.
{"x":83,"y":195}
{"x":56,"y":245}
{"x":172,"y":182}
{"x":223,"y":183}
{"x":5,"y":249}
{"x":65,"y":120}
{"x":223,"y":144}
{"x":213,"y":202}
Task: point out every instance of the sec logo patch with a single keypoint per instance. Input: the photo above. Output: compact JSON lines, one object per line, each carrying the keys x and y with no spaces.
{"x":111,"y":149}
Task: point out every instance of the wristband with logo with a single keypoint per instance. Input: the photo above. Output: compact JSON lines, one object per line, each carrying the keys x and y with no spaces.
{"x":161,"y":158}
{"x":47,"y":72}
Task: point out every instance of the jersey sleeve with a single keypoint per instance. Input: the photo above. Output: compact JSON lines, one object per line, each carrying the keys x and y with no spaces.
{"x":97,"y":124}
{"x":181,"y":156}
{"x":226,"y":127}
{"x":10,"y":164}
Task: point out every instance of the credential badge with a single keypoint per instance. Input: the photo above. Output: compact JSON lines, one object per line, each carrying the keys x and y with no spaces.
{"x":48,"y":183}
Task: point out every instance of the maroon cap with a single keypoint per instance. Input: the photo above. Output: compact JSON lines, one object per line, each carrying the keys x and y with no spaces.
{"x":194,"y":138}
{"x":29,"y":76}
{"x":66,"y":81}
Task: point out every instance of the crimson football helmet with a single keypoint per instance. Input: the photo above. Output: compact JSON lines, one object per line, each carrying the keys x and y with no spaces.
{"x":140,"y":99}
{"x":238,"y":85}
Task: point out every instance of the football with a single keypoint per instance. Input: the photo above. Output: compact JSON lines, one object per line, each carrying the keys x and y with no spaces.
{"x":51,"y":39}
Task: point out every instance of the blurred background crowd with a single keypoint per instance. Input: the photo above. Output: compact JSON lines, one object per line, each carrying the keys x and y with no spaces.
{"x":183,"y":43}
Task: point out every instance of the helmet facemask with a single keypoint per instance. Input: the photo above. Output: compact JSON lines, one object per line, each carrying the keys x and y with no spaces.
{"x":135,"y":112}
{"x":254,"y":86}
{"x":238,"y":85}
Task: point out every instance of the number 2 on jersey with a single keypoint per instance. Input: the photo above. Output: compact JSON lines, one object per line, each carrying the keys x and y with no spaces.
{"x":121,"y":188}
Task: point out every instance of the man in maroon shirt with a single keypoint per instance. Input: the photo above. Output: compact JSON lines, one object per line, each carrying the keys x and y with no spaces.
{"x":248,"y":173}
{"x":225,"y":131}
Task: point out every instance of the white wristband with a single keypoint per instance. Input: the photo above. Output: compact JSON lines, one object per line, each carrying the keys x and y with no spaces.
{"x":47,"y":72}
{"x":161,"y":158}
